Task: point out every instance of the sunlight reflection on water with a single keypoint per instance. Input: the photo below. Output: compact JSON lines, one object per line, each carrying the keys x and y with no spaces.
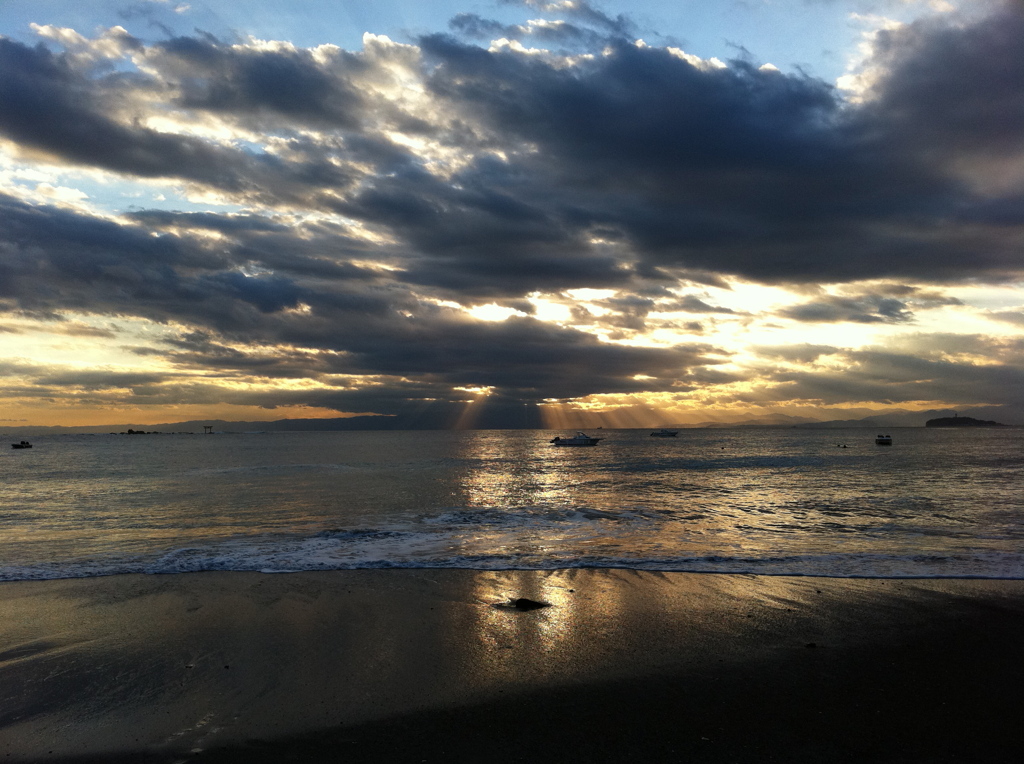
{"x":772,"y":501}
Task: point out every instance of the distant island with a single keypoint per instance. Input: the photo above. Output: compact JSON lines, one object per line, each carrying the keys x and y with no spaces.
{"x":962,"y":421}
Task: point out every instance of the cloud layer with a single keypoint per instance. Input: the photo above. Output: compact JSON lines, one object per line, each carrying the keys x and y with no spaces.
{"x":343,"y":212}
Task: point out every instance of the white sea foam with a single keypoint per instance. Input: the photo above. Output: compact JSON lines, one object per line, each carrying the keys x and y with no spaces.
{"x":411,"y":555}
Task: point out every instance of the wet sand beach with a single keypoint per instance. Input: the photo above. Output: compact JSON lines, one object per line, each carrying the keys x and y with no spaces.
{"x":419,"y":665}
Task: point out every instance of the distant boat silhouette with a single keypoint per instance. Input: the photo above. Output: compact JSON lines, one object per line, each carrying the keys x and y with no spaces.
{"x":581,"y":439}
{"x":23,"y":444}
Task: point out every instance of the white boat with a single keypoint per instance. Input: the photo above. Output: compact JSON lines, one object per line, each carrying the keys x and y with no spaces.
{"x":581,"y":439}
{"x":883,"y":440}
{"x":23,"y":444}
{"x":663,"y":433}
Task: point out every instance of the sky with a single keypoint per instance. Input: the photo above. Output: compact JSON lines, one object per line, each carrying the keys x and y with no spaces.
{"x":510,"y":213}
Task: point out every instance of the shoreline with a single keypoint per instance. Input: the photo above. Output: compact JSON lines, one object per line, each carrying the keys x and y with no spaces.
{"x":418,"y":665}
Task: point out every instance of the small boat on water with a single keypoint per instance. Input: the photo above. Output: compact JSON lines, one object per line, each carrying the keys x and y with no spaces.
{"x":663,"y":433}
{"x":581,"y":439}
{"x":23,"y":444}
{"x":883,"y":440}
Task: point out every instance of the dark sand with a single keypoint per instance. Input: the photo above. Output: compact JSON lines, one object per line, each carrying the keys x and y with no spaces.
{"x":418,"y":666}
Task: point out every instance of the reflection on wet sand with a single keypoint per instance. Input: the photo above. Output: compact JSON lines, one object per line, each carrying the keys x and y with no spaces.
{"x":546,"y":629}
{"x":614,"y":622}
{"x":184,"y":663}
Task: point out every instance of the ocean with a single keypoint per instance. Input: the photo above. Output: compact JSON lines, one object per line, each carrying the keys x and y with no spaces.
{"x":937,"y":503}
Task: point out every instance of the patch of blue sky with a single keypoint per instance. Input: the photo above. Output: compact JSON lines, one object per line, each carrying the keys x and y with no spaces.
{"x":304,"y":22}
{"x":114,"y":196}
{"x":813,"y":39}
{"x":815,"y":36}
{"x":173,"y":201}
{"x":253,"y":148}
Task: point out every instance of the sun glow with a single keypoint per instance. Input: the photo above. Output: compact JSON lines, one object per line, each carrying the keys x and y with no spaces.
{"x":492,"y":312}
{"x":548,"y":309}
{"x":475,"y":390}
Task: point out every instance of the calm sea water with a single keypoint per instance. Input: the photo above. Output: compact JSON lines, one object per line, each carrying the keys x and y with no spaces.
{"x":936,"y":503}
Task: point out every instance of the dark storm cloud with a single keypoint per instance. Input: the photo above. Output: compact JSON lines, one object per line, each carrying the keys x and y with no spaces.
{"x":863,"y":310}
{"x":761,"y":174}
{"x":362,"y":325}
{"x":208,"y":220}
{"x":900,"y":378}
{"x":891,"y":303}
{"x":915,"y":296}
{"x":55,"y":260}
{"x":98,"y":380}
{"x":519,"y":357}
{"x":534,"y":369}
{"x":946,"y":345}
{"x":629,"y":312}
{"x":484,"y":234}
{"x":634,"y":169}
{"x":51,"y":107}
{"x":488,"y":276}
{"x":212,"y":76}
{"x":268,"y":294}
{"x":1009,"y":316}
{"x":199,"y":350}
{"x":561,"y":33}
{"x":942,"y":368}
{"x":312,"y":250}
{"x":954,"y":90}
{"x":733,"y":170}
{"x":146,"y":9}
{"x":583,"y":12}
{"x":474,"y":25}
{"x":693,"y":304}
